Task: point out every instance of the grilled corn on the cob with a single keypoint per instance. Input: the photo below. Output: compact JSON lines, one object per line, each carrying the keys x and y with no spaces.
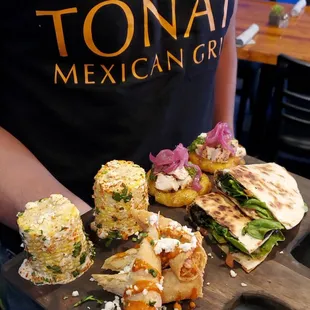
{"x":119,"y":187}
{"x":57,"y":248}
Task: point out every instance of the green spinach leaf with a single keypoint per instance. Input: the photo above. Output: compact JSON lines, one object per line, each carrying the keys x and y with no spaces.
{"x":259,"y":228}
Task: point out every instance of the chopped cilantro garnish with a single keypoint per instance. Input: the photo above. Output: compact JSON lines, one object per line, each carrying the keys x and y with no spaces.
{"x":75,"y":273}
{"x":152,"y":176}
{"x":153,"y":272}
{"x":88,"y":298}
{"x":92,"y":252}
{"x":19,"y":214}
{"x":99,"y":225}
{"x":191,"y":171}
{"x":152,"y":242}
{"x":152,"y":303}
{"x":83,"y":258}
{"x":55,"y":268}
{"x":123,"y":195}
{"x":114,"y":234}
{"x":193,"y":146}
{"x":27,"y":230}
{"x":77,"y":247}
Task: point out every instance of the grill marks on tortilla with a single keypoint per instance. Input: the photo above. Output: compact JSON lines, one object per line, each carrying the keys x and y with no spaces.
{"x":223,"y":211}
{"x":272,"y":184}
{"x":227,"y":214}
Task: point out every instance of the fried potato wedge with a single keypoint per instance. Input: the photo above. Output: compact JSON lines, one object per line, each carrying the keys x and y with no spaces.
{"x":180,"y":198}
{"x":209,"y":166}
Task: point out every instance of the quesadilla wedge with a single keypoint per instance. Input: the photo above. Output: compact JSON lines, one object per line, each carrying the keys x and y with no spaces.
{"x":264,"y":192}
{"x":225,"y":224}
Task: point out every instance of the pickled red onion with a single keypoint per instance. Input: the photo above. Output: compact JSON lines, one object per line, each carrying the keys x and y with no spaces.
{"x":167,"y":161}
{"x":196,"y":181}
{"x":220,"y":135}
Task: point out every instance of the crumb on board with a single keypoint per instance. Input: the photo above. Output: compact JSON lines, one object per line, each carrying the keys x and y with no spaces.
{"x":281,"y":252}
{"x":208,"y":283}
{"x":91,"y":279}
{"x":233,"y":274}
{"x":244,"y":284}
{"x":65,"y":297}
{"x":75,"y":293}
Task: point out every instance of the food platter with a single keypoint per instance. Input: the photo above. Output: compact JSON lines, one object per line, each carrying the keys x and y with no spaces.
{"x":279,"y":281}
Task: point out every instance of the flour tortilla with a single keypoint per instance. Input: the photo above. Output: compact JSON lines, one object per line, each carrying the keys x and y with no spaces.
{"x":186,"y":265}
{"x":174,"y":289}
{"x":227,"y":214}
{"x":273,"y":185}
{"x":247,"y":262}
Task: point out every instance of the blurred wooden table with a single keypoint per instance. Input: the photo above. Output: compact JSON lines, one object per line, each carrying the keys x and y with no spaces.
{"x":271,"y":41}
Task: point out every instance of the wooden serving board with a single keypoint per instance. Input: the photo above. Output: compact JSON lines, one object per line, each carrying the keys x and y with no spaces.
{"x":281,"y":282}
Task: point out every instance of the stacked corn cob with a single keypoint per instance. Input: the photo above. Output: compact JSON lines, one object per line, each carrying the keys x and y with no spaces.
{"x":119,"y":187}
{"x":57,"y":248}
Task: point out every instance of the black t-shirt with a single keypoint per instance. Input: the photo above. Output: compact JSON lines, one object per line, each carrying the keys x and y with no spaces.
{"x":84,"y":82}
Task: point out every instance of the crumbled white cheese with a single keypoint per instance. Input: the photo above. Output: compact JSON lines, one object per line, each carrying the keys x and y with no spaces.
{"x":243,"y":284}
{"x":173,"y":224}
{"x":137,"y":233}
{"x":135,"y":287}
{"x":233,"y":274}
{"x":127,"y":269}
{"x":91,"y":279}
{"x":179,"y":228}
{"x":129,"y":292}
{"x":75,"y":293}
{"x":22,"y":245}
{"x":187,"y":230}
{"x":112,"y":305}
{"x":166,"y":244}
{"x":65,"y":297}
{"x":161,"y":281}
{"x":210,"y":255}
{"x":109,"y":306}
{"x":88,"y":307}
{"x":185,"y":247}
{"x":159,"y":286}
{"x":208,"y":283}
{"x":153,"y":219}
{"x":281,"y":252}
{"x":145,"y":292}
{"x":203,"y":135}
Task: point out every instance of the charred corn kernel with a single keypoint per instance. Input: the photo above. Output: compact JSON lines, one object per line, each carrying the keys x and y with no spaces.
{"x":57,"y":249}
{"x":119,"y":187}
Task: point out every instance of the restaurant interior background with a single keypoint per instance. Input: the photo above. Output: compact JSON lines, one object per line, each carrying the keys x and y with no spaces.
{"x":272,"y":114}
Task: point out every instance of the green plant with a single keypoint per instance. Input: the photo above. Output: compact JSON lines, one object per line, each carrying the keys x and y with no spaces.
{"x":277,"y":10}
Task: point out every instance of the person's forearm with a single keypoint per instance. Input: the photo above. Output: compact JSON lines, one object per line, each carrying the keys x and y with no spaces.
{"x":225,"y":80}
{"x":23,"y":178}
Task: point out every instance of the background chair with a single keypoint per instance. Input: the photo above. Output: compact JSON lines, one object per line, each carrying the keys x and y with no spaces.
{"x":289,"y":128}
